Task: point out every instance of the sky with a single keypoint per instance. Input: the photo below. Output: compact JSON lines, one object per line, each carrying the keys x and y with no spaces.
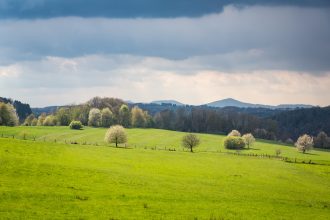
{"x":58,"y":52}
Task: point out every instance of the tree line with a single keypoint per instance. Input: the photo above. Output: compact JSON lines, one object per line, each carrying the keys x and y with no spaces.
{"x":97,"y":112}
{"x":285,"y":126}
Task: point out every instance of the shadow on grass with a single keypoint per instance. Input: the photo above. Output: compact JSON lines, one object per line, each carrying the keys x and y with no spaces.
{"x":251,"y":148}
{"x":310,"y":154}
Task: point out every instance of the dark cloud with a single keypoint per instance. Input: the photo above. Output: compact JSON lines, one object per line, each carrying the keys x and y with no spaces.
{"x":286,"y":38}
{"x":30,"y":9}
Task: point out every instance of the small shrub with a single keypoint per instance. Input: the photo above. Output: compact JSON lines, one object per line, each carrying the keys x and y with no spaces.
{"x":233,"y":142}
{"x":76,"y":125}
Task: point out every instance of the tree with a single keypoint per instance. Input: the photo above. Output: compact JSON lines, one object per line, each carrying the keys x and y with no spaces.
{"x":22,"y":109}
{"x":322,"y":140}
{"x":76,"y":125}
{"x":289,"y":141}
{"x":8,"y":115}
{"x":304,"y":143}
{"x":260,"y":133}
{"x":94,"y":117}
{"x":234,"y":142}
{"x":63,"y":116}
{"x":29,"y":119}
{"x":116,"y":134}
{"x":41,"y":119}
{"x":234,"y":133}
{"x":107,"y":118}
{"x":50,"y":120}
{"x":138,"y":117}
{"x":190,"y":141}
{"x":248,"y":139}
{"x":34,"y":122}
{"x":124,"y":116}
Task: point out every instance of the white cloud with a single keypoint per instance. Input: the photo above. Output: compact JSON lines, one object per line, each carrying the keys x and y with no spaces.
{"x":57,"y":80}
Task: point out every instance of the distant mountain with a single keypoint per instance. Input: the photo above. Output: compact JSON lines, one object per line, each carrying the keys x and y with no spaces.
{"x":173,"y":102}
{"x":235,"y":103}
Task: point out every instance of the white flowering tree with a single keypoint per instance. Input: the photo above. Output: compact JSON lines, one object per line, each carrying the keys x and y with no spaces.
{"x":234,"y":133}
{"x":116,"y":134}
{"x":304,"y":143}
{"x":248,"y":139}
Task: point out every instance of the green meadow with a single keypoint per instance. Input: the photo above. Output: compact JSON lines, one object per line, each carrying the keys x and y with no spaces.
{"x":58,"y":173}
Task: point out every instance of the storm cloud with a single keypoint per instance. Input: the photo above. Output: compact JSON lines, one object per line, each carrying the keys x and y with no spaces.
{"x":31,"y":9}
{"x":54,"y":50}
{"x":253,"y":38}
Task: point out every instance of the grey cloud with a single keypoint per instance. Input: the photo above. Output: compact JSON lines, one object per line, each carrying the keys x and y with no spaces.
{"x":287,"y":38}
{"x":31,"y":9}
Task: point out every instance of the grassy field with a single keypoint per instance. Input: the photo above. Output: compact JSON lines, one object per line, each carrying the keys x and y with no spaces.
{"x":151,"y":138}
{"x":46,"y":180}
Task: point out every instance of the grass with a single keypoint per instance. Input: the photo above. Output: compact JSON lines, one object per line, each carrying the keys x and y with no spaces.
{"x":47,"y":180}
{"x":161,"y":139}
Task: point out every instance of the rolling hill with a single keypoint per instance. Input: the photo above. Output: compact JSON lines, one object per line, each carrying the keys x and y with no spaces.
{"x":44,"y":179}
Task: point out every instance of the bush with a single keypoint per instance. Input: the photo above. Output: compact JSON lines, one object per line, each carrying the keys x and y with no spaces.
{"x":76,"y":125}
{"x":233,"y":142}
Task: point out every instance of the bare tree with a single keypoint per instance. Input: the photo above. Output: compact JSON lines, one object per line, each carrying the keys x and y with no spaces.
{"x":190,"y":141}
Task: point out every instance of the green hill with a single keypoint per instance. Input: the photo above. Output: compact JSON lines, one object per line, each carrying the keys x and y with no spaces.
{"x":46,"y":180}
{"x":151,"y":138}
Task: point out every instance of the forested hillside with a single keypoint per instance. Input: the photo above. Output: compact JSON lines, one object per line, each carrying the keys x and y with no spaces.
{"x":274,"y":124}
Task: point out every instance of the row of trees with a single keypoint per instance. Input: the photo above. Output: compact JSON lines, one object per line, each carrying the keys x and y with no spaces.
{"x":135,"y":117}
{"x":214,"y":120}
